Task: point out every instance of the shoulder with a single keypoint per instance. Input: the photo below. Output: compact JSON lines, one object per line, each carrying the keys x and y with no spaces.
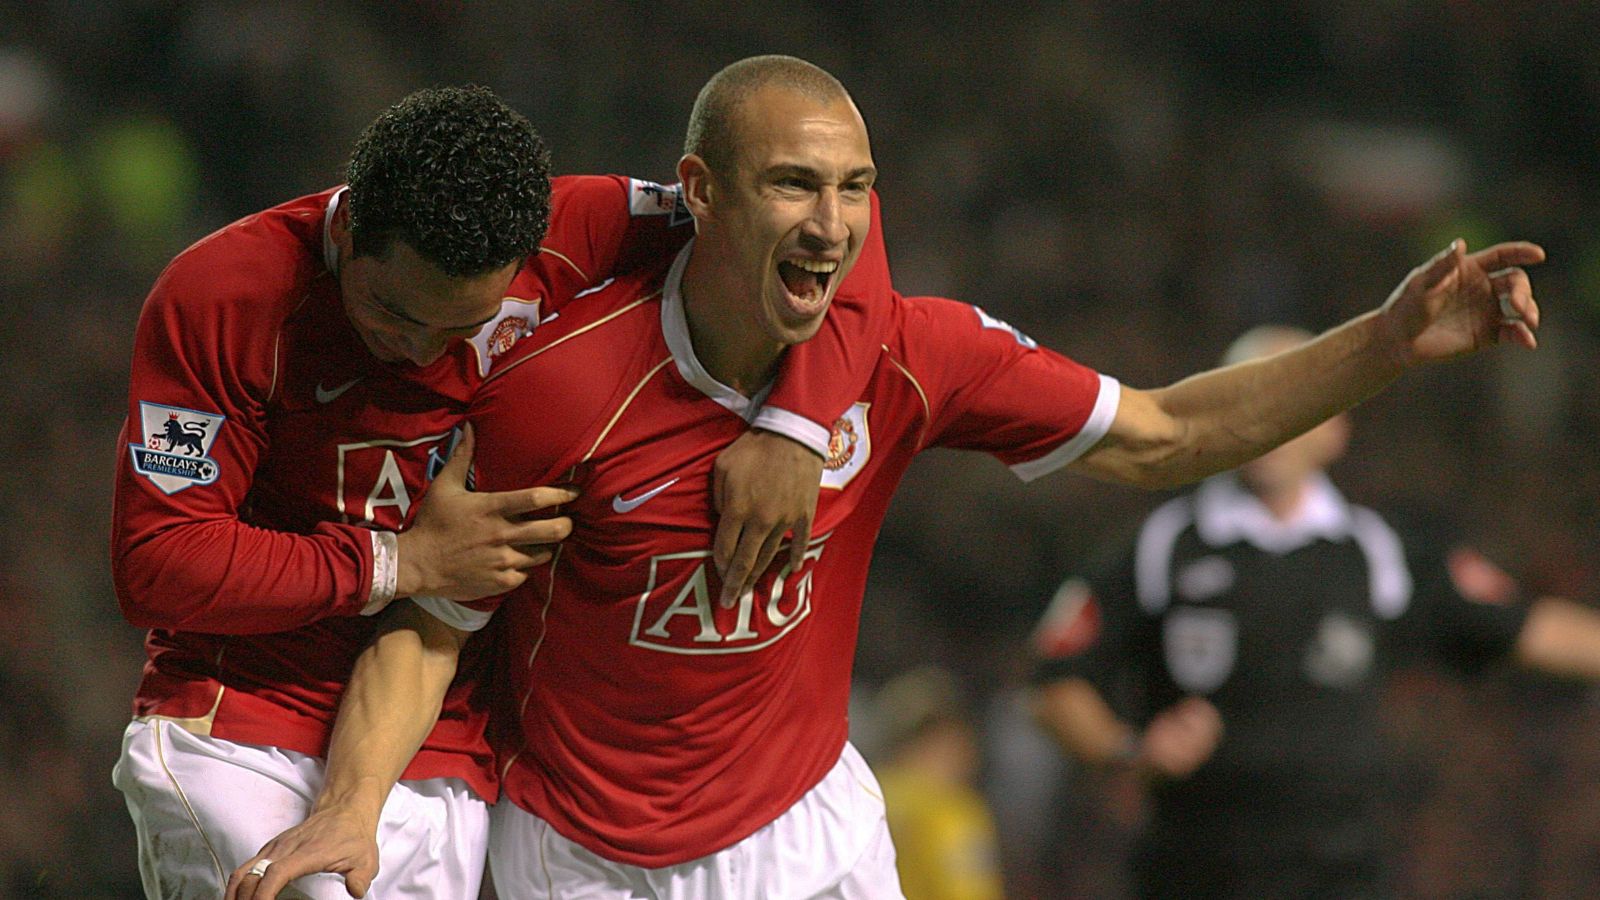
{"x":252,"y":272}
{"x":577,"y":191}
{"x":585,"y":338}
{"x":1155,"y":549}
{"x":1387,"y":571}
{"x":940,"y":327}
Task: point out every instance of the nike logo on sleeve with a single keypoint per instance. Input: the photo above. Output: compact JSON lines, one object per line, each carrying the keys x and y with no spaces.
{"x":327,"y":395}
{"x":627,"y":506}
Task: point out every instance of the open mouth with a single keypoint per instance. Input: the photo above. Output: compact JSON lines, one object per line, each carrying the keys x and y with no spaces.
{"x":807,"y":280}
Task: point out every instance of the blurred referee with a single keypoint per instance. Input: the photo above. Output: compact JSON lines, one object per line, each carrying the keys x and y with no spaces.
{"x":1243,"y":639}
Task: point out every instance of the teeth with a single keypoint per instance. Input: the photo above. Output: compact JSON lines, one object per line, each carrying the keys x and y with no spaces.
{"x":821,"y":267}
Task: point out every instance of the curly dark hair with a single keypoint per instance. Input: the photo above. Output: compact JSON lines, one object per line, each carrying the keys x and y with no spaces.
{"x":457,"y":175}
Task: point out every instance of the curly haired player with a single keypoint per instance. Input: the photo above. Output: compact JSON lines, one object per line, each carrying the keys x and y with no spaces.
{"x":321,"y":354}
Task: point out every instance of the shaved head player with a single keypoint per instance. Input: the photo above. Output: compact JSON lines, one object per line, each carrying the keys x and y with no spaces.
{"x":659,"y":743}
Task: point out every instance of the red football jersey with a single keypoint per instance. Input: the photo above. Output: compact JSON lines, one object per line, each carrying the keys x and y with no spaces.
{"x":269,"y":457}
{"x":644,"y":721}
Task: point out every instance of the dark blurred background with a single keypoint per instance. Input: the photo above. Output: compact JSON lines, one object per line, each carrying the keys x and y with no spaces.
{"x":1132,"y":183}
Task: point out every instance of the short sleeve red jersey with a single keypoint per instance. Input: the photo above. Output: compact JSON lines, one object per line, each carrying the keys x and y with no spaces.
{"x":645,"y":721}
{"x":266,"y":453}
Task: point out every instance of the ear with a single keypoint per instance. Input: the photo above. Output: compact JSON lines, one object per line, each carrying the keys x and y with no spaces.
{"x":339,"y":227}
{"x":698,"y":190}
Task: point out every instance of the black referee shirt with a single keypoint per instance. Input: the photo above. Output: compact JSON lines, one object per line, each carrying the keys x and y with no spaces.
{"x":1288,"y":629}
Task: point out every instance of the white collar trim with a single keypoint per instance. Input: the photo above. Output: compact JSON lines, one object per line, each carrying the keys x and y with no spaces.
{"x":675,"y":328}
{"x":330,"y":250}
{"x":1225,"y":512}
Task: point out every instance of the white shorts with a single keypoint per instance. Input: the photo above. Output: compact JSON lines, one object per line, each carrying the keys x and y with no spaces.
{"x":833,"y":843}
{"x":202,"y":806}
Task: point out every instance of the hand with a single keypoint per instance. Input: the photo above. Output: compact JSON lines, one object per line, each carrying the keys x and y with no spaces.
{"x":762,"y":486}
{"x":464,"y":545}
{"x":1459,"y":302}
{"x":330,"y":840}
{"x":1181,"y":738}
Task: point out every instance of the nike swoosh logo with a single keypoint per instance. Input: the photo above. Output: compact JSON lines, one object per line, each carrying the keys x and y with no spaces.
{"x":627,"y":506}
{"x":325,"y":395}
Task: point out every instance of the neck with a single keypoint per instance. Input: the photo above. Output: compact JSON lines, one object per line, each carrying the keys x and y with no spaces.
{"x":1283,"y":499}
{"x":727,"y":340}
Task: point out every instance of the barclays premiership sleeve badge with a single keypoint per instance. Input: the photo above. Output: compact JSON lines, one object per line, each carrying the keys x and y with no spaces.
{"x":177,"y":442}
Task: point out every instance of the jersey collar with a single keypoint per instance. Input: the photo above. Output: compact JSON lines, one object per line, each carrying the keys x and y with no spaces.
{"x":1225,"y":513}
{"x":675,"y":328}
{"x":330,"y":250}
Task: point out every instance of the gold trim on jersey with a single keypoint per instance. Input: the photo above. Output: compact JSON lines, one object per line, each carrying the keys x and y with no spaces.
{"x":604,"y":432}
{"x":200,"y":725}
{"x":544,"y":614}
{"x":161,"y":756}
{"x":927,"y":412}
{"x":566,"y":259}
{"x":564,"y":338}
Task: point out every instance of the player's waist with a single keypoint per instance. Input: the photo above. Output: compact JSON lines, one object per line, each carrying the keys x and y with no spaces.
{"x":648,"y":824}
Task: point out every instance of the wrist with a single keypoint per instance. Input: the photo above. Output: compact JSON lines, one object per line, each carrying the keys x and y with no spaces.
{"x":362,"y":800}
{"x":408,"y":579}
{"x":1384,"y":339}
{"x":1129,"y":750}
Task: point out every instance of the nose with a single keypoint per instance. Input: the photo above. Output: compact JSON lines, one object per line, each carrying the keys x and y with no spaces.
{"x":825,"y":228}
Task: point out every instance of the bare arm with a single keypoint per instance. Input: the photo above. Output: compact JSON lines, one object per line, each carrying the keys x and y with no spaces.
{"x":391,"y":704}
{"x":1562,"y":638}
{"x":1452,"y":305}
{"x":1176,"y":742}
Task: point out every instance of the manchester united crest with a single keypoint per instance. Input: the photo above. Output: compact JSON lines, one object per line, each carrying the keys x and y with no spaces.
{"x":506,"y":332}
{"x":516,"y":321}
{"x":849,"y":447}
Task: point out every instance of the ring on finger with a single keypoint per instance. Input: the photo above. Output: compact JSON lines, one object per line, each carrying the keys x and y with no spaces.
{"x":259,"y":868}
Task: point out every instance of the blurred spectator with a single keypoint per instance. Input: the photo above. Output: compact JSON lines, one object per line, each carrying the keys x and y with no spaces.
{"x":943,"y":831}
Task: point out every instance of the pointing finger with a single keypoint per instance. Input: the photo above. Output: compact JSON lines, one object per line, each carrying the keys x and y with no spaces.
{"x":1511,"y":253}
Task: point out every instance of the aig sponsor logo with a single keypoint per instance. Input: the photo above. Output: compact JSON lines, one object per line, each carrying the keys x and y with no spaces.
{"x":373,"y":488}
{"x":679,"y":613}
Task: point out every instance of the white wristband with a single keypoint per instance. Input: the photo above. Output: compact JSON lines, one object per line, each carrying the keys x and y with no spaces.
{"x":385,"y":571}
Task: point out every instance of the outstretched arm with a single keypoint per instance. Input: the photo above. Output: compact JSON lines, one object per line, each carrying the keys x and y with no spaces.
{"x":1454,"y":304}
{"x":391,"y":704}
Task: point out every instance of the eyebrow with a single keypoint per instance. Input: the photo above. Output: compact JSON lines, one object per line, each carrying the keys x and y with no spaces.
{"x":813,"y":174}
{"x":401,"y":314}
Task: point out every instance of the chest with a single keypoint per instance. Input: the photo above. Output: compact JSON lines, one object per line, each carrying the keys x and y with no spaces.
{"x":1303,"y":618}
{"x":352,"y":442}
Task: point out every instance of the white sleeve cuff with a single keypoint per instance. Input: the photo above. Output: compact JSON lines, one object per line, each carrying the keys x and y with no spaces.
{"x":457,"y":615}
{"x":385,"y":571}
{"x":1094,"y":428}
{"x":794,"y":427}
